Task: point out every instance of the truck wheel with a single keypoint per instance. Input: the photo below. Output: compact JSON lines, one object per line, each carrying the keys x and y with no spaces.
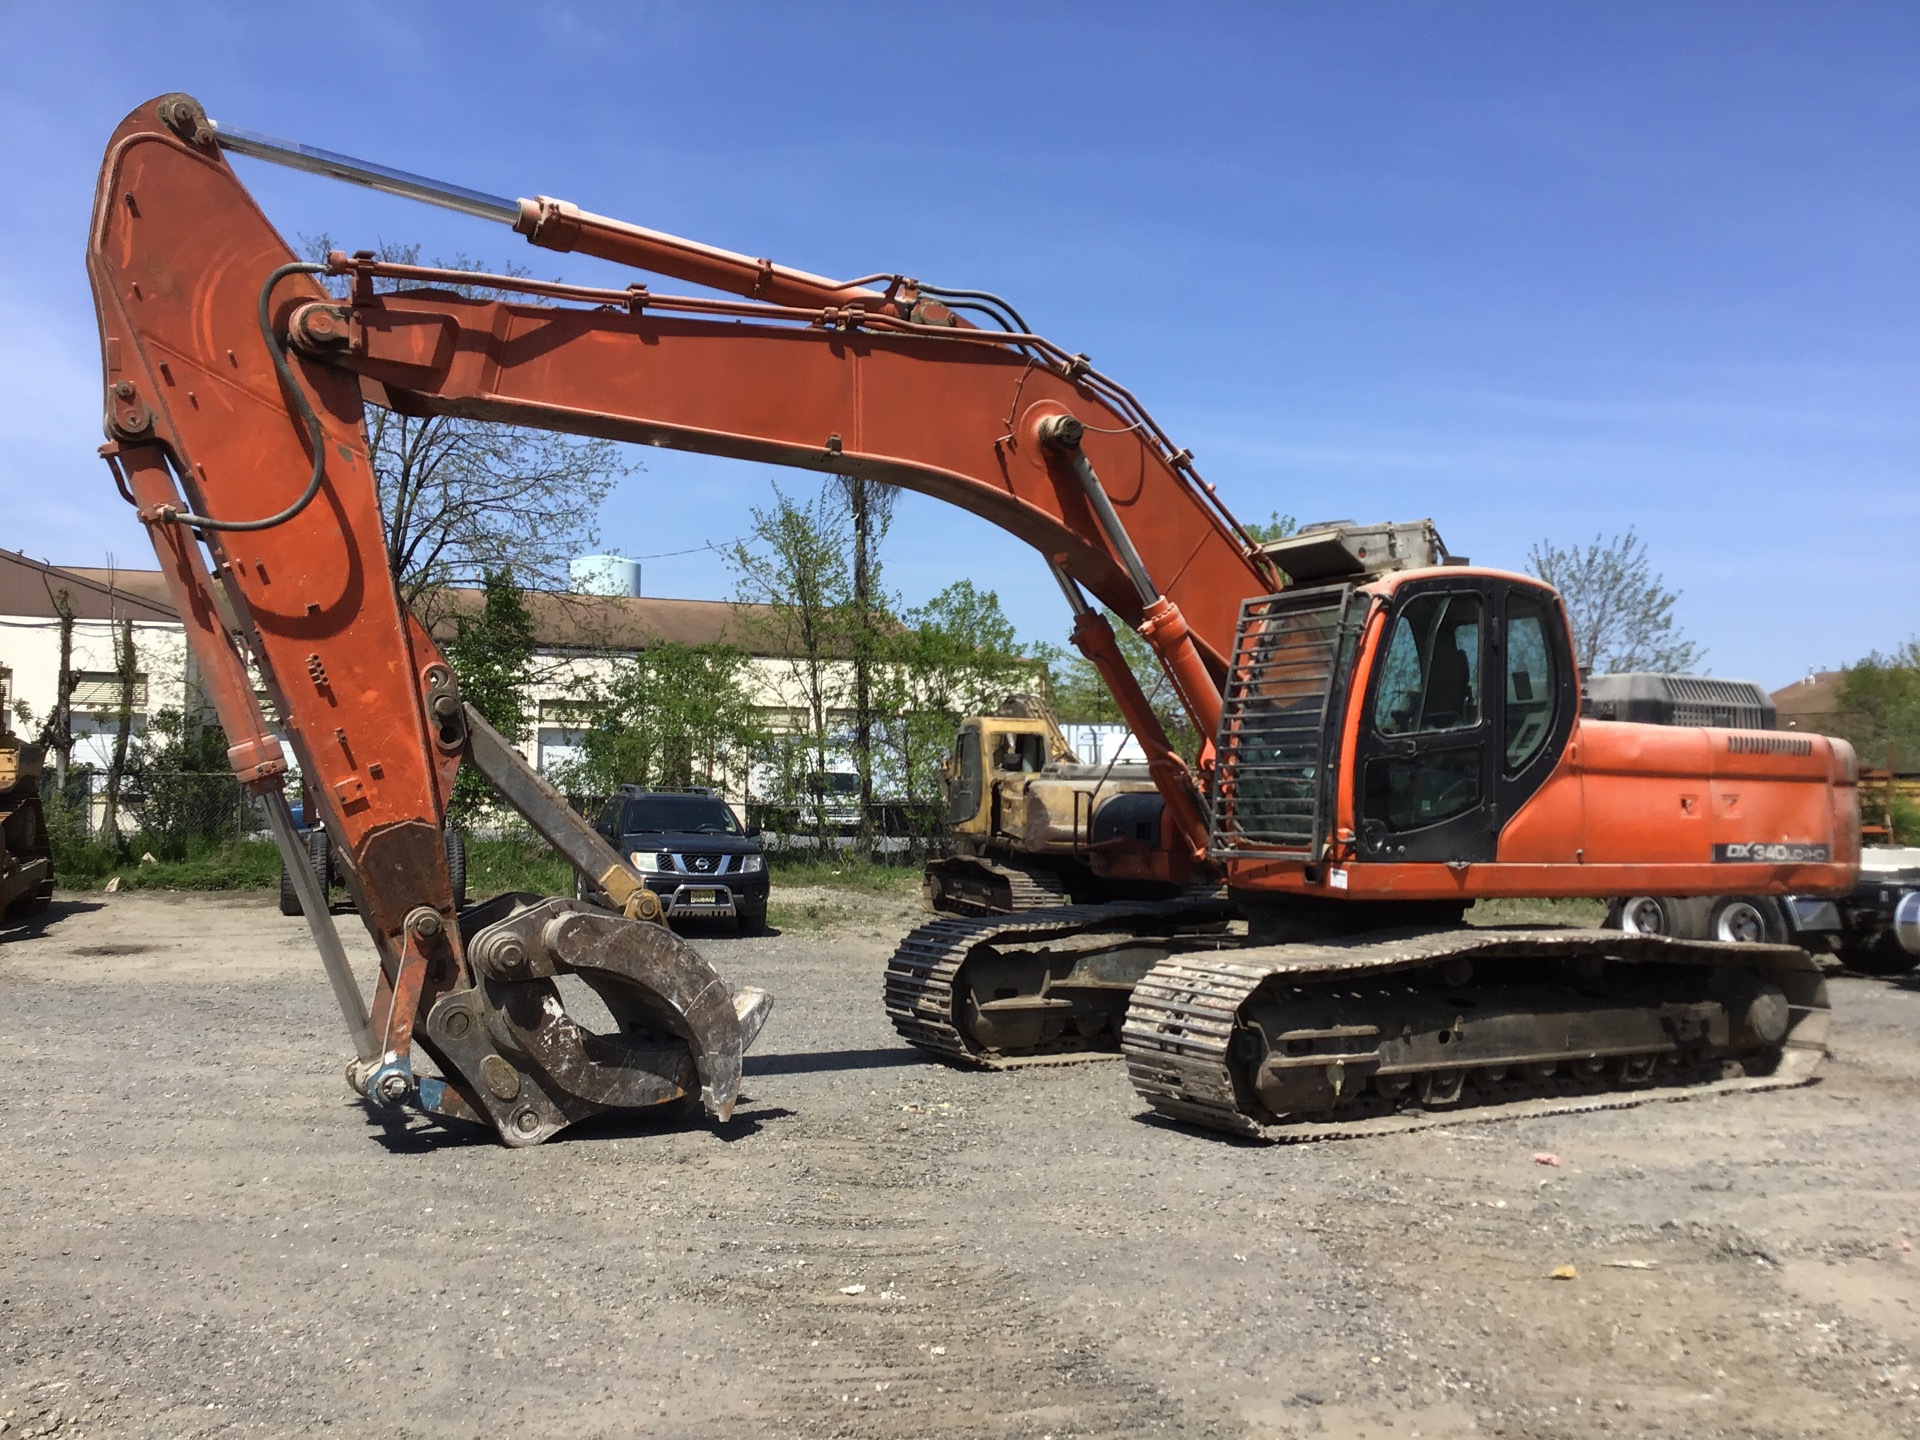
{"x":289,"y":897}
{"x":1675,"y":917}
{"x":456,"y":844}
{"x":1748,"y":920}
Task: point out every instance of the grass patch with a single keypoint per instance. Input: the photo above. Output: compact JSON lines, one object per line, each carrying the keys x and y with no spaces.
{"x":207,"y":865}
{"x":1587,"y":913}
{"x":515,"y":862}
{"x":844,"y":873}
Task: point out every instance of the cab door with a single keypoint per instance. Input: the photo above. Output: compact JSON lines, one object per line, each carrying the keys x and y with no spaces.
{"x":1469,"y":710}
{"x":1425,"y":766}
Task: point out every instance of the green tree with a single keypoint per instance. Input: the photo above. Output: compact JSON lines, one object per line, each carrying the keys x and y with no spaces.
{"x":490,"y":652}
{"x":955,"y":656}
{"x":793,"y":570}
{"x":180,"y":784}
{"x":1879,"y":708}
{"x":672,"y":716}
{"x":1275,"y":527}
{"x":869,"y":505}
{"x":1619,"y":609}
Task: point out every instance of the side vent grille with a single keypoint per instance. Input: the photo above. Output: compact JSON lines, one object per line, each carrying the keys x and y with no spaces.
{"x":1286,"y":691}
{"x":1769,"y":745}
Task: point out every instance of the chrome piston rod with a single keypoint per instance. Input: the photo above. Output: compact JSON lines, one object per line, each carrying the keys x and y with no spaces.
{"x":313,"y":901}
{"x":383,"y":178}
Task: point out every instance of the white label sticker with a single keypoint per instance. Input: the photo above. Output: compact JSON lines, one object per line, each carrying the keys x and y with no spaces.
{"x":1337,"y":879}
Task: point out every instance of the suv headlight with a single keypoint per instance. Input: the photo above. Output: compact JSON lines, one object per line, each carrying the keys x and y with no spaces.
{"x":647,"y":862}
{"x":752,"y":864}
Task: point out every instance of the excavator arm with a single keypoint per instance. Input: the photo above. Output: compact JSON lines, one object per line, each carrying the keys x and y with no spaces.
{"x":248,"y":462}
{"x":234,"y":391}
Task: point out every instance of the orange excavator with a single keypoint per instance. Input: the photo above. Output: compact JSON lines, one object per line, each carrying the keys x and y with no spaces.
{"x":1390,"y":736}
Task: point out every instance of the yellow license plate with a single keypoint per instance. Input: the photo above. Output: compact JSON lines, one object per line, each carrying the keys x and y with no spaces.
{"x":703,"y":897}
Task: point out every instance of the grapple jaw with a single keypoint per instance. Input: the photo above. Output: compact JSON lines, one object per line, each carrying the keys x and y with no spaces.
{"x":515,"y":1058}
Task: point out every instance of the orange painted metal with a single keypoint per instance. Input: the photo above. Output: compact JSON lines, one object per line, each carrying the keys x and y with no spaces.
{"x":949,"y":418}
{"x":1093,"y":638}
{"x":557,"y":225}
{"x":805,"y":375}
{"x":177,"y":255}
{"x":1629,"y":809}
{"x":253,"y":751}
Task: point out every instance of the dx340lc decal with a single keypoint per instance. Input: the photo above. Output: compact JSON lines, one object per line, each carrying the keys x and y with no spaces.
{"x":1772,"y":853}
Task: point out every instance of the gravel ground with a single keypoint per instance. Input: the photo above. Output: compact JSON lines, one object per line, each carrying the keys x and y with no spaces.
{"x":202,"y":1234}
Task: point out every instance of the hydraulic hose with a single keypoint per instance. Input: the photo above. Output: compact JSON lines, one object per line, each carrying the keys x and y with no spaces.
{"x":316,"y":436}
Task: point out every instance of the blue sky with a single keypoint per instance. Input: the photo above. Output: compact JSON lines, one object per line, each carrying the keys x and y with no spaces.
{"x":1534,"y":270}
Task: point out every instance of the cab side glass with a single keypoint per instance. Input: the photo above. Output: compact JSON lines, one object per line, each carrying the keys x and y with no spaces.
{"x":1429,"y":687}
{"x":963,"y":800}
{"x":1431,"y":677}
{"x":1531,"y":682}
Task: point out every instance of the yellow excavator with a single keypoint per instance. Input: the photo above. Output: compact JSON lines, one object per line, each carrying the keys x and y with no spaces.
{"x":1030,"y":826}
{"x":26,"y":859}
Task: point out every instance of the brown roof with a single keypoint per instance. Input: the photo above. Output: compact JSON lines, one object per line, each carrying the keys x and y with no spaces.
{"x":620,"y":622}
{"x":560,"y":621}
{"x":1809,"y":703}
{"x":27,"y":587}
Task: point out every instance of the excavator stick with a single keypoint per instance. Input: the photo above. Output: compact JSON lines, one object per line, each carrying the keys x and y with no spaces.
{"x":249,"y":464}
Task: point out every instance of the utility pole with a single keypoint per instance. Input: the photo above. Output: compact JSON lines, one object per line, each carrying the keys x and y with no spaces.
{"x":870,"y":503}
{"x":857,"y":500}
{"x":124,"y":661}
{"x":57,"y":733}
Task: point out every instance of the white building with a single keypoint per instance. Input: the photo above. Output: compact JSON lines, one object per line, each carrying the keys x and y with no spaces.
{"x":580,"y":637}
{"x":101,"y":602}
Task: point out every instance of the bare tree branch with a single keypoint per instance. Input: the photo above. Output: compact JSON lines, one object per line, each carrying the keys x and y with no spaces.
{"x":1619,"y":610}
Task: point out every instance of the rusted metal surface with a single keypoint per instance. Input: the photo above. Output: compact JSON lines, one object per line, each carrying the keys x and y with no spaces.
{"x":977,"y":885}
{"x":26,"y":859}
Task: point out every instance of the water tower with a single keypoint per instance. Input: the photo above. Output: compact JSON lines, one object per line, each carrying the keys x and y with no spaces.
{"x":604,"y":575}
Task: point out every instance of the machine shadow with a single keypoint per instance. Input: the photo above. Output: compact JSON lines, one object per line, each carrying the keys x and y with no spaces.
{"x":825,"y":1061}
{"x":412,"y":1133}
{"x":1170,"y":1126}
{"x":29,"y":926}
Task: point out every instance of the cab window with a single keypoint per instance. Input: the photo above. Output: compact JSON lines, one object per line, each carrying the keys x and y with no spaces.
{"x":1531,"y":683}
{"x":1430,"y":680}
{"x":1026,"y":754}
{"x":963,"y":799}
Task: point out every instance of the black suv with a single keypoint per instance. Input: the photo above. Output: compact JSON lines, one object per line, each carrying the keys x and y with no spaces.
{"x":693,"y":851}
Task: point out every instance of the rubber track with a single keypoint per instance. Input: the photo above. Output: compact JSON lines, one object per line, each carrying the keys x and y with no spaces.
{"x":1182,"y":1018}
{"x":918,"y":989}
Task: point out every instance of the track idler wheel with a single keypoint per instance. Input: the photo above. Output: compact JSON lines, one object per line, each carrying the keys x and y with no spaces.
{"x":530,"y":1069}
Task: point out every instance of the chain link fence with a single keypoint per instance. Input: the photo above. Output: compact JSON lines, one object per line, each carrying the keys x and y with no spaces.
{"x":174,"y":809}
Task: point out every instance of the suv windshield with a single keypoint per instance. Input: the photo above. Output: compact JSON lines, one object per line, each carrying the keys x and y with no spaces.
{"x":687,"y":814}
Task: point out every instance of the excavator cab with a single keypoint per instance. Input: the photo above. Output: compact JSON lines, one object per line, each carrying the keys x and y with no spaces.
{"x":1459,"y":726}
{"x":1416,"y":735}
